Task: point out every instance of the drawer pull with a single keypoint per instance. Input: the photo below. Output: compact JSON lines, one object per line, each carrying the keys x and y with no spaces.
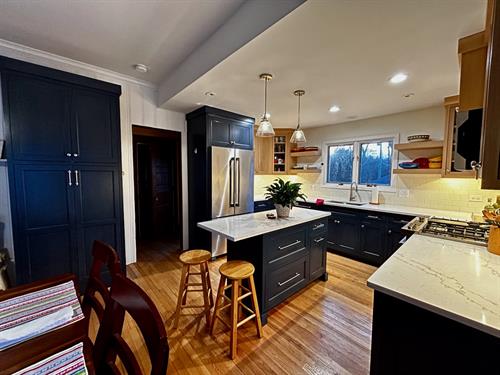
{"x":289,"y":245}
{"x":318,"y":240}
{"x":318,"y":226}
{"x":290,"y":279}
{"x":330,"y":242}
{"x":373,"y":217}
{"x":262,"y":205}
{"x":370,"y":253}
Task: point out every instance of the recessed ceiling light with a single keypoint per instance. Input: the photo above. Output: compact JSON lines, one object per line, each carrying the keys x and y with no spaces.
{"x":210,"y":93}
{"x":334,"y":108}
{"x":141,"y":68}
{"x":398,"y":78}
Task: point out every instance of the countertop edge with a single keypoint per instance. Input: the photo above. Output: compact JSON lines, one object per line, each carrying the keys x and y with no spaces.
{"x":435,"y":309}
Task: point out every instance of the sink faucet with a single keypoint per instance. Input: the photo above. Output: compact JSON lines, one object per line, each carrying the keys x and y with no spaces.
{"x":352,"y":197}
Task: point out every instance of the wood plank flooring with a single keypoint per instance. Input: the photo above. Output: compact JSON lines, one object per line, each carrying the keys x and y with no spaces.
{"x":325,"y":329}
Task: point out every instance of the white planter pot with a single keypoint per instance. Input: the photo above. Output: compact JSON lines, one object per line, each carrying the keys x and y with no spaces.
{"x":282,"y":211}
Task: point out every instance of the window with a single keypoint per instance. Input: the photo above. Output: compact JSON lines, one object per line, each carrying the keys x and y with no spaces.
{"x":367,"y":162}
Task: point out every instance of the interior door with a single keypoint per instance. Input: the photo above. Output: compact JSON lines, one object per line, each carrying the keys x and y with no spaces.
{"x":95,"y":127}
{"x":243,"y":187}
{"x":44,"y":235}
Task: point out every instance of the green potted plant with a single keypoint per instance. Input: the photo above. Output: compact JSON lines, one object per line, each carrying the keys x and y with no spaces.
{"x":284,"y":195}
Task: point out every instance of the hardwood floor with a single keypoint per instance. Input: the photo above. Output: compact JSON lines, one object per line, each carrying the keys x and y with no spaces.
{"x":324,"y":329}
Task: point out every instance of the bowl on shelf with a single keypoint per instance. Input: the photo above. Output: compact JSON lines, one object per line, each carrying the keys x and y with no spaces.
{"x":419,"y":138}
{"x":408,"y":165}
{"x":423,"y":163}
{"x":436,"y":162}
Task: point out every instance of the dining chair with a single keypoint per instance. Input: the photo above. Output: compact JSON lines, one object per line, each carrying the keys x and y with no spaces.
{"x":96,"y":293}
{"x":127,"y":297}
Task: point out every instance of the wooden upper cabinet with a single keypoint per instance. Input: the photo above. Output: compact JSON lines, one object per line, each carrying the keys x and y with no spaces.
{"x":472,"y":52}
{"x":491,"y":124}
{"x":272,"y":154}
{"x":263,"y":150}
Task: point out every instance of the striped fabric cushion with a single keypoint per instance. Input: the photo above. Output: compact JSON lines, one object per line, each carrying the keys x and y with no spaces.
{"x":69,"y":361}
{"x":41,"y":304}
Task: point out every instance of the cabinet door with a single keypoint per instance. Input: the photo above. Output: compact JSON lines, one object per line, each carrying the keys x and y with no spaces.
{"x":241,"y":134}
{"x":343,"y":233}
{"x":491,"y":124}
{"x":38,"y":118}
{"x":43,"y":222}
{"x":395,"y":235}
{"x":263,"y":155}
{"x":373,"y":239}
{"x":317,"y":256}
{"x":96,"y":127}
{"x":219,"y":131}
{"x":99,"y":214}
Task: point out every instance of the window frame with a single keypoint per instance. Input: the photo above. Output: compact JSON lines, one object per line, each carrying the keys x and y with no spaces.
{"x":356,"y":142}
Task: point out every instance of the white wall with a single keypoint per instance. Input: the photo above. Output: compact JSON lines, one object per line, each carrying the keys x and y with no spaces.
{"x":138,"y":106}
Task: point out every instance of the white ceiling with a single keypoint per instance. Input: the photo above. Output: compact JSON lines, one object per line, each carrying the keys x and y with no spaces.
{"x":343,"y":52}
{"x":116,"y":34}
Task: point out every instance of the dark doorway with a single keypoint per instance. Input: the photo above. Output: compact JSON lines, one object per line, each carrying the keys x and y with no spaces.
{"x":157,"y":178}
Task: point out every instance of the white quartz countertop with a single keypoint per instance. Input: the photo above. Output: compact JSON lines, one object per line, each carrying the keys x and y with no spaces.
{"x":393,"y":209}
{"x":240,"y":227}
{"x":456,"y":280}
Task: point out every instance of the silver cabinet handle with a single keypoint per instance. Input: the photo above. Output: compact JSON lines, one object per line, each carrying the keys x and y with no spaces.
{"x":370,"y":253}
{"x":237,"y":164}
{"x":289,"y":245}
{"x":318,"y":226}
{"x":318,"y":240}
{"x":290,"y":279}
{"x":70,"y":181}
{"x":75,"y":155}
{"x":362,"y":225}
{"x":68,"y":154}
{"x":231,"y":182}
{"x":77,"y":178}
{"x":372,"y":217}
{"x":389,"y":232}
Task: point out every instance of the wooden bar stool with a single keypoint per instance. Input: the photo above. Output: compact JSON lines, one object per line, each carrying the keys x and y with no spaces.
{"x":236,"y":271}
{"x":189,"y":259}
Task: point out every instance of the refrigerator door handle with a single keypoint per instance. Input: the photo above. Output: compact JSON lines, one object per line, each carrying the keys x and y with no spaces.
{"x":231,"y":182}
{"x":237,"y":186}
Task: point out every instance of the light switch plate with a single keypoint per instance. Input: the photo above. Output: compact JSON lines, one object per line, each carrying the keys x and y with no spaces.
{"x":404,"y":193}
{"x":475,"y":198}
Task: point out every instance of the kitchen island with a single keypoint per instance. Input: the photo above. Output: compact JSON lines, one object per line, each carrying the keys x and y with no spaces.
{"x":436,"y":309}
{"x":287,"y":253}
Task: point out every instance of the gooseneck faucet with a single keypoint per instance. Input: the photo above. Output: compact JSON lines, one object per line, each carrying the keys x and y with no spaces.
{"x":352,"y":197}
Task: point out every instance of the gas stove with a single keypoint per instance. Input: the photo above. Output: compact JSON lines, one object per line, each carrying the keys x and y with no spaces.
{"x":458,"y":230}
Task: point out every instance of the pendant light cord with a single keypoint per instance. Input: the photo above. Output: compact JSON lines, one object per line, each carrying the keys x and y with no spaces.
{"x":265,"y":100}
{"x":298,"y":114}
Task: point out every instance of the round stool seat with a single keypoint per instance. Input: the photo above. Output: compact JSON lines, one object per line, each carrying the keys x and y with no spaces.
{"x":195,"y":256}
{"x":237,"y":269}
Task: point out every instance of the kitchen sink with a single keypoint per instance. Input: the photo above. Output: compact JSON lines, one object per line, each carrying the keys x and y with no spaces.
{"x":352,"y":203}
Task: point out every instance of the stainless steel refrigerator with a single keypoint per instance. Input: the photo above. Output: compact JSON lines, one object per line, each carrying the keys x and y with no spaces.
{"x":232,"y":187}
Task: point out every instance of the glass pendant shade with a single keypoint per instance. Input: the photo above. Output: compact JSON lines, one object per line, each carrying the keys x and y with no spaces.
{"x":298,"y":136}
{"x":265,"y":128}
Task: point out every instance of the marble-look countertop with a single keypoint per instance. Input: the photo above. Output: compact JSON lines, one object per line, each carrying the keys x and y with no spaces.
{"x":392,"y":209}
{"x":240,"y":227}
{"x":454,"y":279}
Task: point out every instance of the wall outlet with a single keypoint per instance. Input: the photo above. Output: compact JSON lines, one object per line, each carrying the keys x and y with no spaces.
{"x":404,"y":193}
{"x":475,"y":198}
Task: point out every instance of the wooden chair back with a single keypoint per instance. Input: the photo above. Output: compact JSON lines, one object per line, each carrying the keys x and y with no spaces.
{"x":126,"y":296}
{"x":103,"y":255}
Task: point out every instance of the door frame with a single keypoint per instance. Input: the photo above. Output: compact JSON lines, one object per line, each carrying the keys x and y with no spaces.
{"x":172,"y":135}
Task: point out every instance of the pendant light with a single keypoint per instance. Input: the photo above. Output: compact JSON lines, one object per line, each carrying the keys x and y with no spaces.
{"x":265,"y":128}
{"x":298,"y":135}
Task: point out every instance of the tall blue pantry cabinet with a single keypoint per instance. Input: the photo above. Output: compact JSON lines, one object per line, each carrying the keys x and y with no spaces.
{"x":63,"y":152}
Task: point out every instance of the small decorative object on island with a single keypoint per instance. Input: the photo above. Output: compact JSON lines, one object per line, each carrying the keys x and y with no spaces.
{"x":284,"y":195}
{"x":494,"y":237}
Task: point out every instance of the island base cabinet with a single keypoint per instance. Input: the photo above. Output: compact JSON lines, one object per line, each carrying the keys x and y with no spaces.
{"x":285,"y":261}
{"x":407,"y":339}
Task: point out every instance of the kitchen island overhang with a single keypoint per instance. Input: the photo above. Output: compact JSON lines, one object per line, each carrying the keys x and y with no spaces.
{"x":287,"y":253}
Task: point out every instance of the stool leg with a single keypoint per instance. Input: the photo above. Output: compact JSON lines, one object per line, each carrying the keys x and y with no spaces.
{"x":255,"y":304}
{"x":205,"y":292}
{"x":234,"y":318}
{"x":211,"y":296}
{"x":186,"y":281}
{"x":218,"y":301}
{"x":181,"y":292}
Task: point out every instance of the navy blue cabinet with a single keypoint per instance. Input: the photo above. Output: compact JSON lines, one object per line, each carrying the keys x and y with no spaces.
{"x":63,"y":146}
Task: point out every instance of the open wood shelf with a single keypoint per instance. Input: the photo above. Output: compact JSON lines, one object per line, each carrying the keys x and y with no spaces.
{"x":426,"y":145}
{"x":417,"y":171}
{"x":305,"y":153}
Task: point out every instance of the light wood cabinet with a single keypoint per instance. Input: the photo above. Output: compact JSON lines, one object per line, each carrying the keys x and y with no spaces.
{"x":272,"y":154}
